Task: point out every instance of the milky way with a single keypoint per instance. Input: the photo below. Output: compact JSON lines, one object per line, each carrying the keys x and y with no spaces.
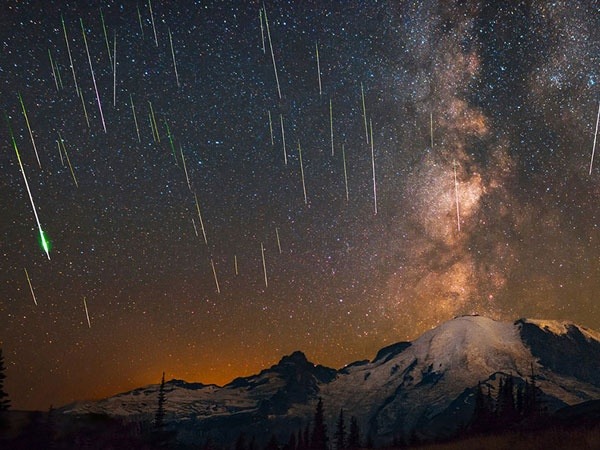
{"x":207,"y":246}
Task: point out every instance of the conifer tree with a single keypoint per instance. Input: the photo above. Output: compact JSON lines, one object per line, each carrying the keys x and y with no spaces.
{"x":319,"y":434}
{"x":340,"y":432}
{"x":291,"y":445}
{"x":354,"y":435}
{"x":306,"y":439}
{"x":160,"y":411}
{"x":272,"y":444}
{"x":4,"y":400}
{"x":240,"y":443}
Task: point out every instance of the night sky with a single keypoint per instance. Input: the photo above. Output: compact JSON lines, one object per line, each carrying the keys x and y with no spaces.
{"x":507,"y":92}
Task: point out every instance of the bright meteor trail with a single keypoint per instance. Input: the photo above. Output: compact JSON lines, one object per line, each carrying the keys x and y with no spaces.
{"x":45,"y":244}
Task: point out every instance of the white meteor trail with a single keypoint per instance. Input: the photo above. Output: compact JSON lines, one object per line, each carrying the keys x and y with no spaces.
{"x":29,"y":129}
{"x":271,"y":127}
{"x":200,"y":217}
{"x":364,"y":108}
{"x":87,"y":50}
{"x":152,"y":19}
{"x":43,"y":240}
{"x":137,"y":128}
{"x":173,"y":55}
{"x":318,"y":67}
{"x":272,"y":54}
{"x":302,"y":173}
{"x":431,"y":128}
{"x":87,"y":119}
{"x":262,"y":31}
{"x":140,"y":21}
{"x":331,"y":127}
{"x":60,"y":154}
{"x":595,"y":137}
{"x":87,"y":315}
{"x":185,"y":168}
{"x":30,"y":287}
{"x":283,"y":137}
{"x":345,"y":171}
{"x":195,"y":229}
{"x":215,"y":274}
{"x":262,"y":251}
{"x":278,"y":241}
{"x":69,"y":52}
{"x":115,"y":69}
{"x":53,"y":71}
{"x":235,"y":264}
{"x":106,"y":39}
{"x":456,"y":196}
{"x":373,"y":163}
{"x":61,"y":140}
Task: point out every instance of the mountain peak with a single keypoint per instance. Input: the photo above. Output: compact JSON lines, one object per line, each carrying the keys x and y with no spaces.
{"x":296,"y":358}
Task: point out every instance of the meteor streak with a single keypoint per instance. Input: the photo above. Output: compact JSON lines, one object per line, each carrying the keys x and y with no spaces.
{"x":201,"y":221}
{"x":318,"y":67}
{"x":140,"y":20}
{"x":302,"y":172}
{"x":272,"y":54}
{"x":152,"y":19}
{"x":278,"y":241}
{"x":185,"y":168}
{"x":30,"y":287}
{"x":87,"y":50}
{"x":331,"y":127}
{"x":283,"y":137}
{"x":456,"y":196}
{"x":362,"y":93}
{"x":595,"y":136}
{"x":235,"y":264}
{"x":173,"y":54}
{"x":345,"y":172}
{"x":195,"y":229}
{"x":271,"y":127}
{"x":87,"y":315}
{"x":137,"y":128}
{"x":262,"y":30}
{"x":262,"y":251}
{"x":373,"y":164}
{"x":43,"y":240}
{"x":115,"y":69}
{"x":68,"y":160}
{"x":215,"y":274}
{"x":87,"y":119}
{"x":29,"y":129}
{"x":153,"y":122}
{"x":69,"y":52}
{"x":53,"y":71}
{"x":431,"y":128}
{"x":106,"y":38}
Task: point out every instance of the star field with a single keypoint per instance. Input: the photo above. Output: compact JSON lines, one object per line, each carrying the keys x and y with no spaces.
{"x":507,"y":93}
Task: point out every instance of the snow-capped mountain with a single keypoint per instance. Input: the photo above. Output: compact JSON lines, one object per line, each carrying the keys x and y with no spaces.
{"x":426,"y":386}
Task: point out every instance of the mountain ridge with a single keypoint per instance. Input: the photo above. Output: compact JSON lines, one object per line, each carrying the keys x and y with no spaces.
{"x":423,"y":386}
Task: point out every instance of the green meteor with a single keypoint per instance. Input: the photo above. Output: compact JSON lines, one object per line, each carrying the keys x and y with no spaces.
{"x":44,"y":241}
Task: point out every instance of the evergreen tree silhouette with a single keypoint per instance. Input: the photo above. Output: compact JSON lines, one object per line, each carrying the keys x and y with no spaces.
{"x":354,"y":434}
{"x":160,"y":411}
{"x":306,"y":439}
{"x":482,"y":419}
{"x":240,"y":443}
{"x":291,"y":445}
{"x":319,"y":434}
{"x":4,"y":400}
{"x":340,"y":432}
{"x":272,"y":444}
{"x":300,"y":441}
